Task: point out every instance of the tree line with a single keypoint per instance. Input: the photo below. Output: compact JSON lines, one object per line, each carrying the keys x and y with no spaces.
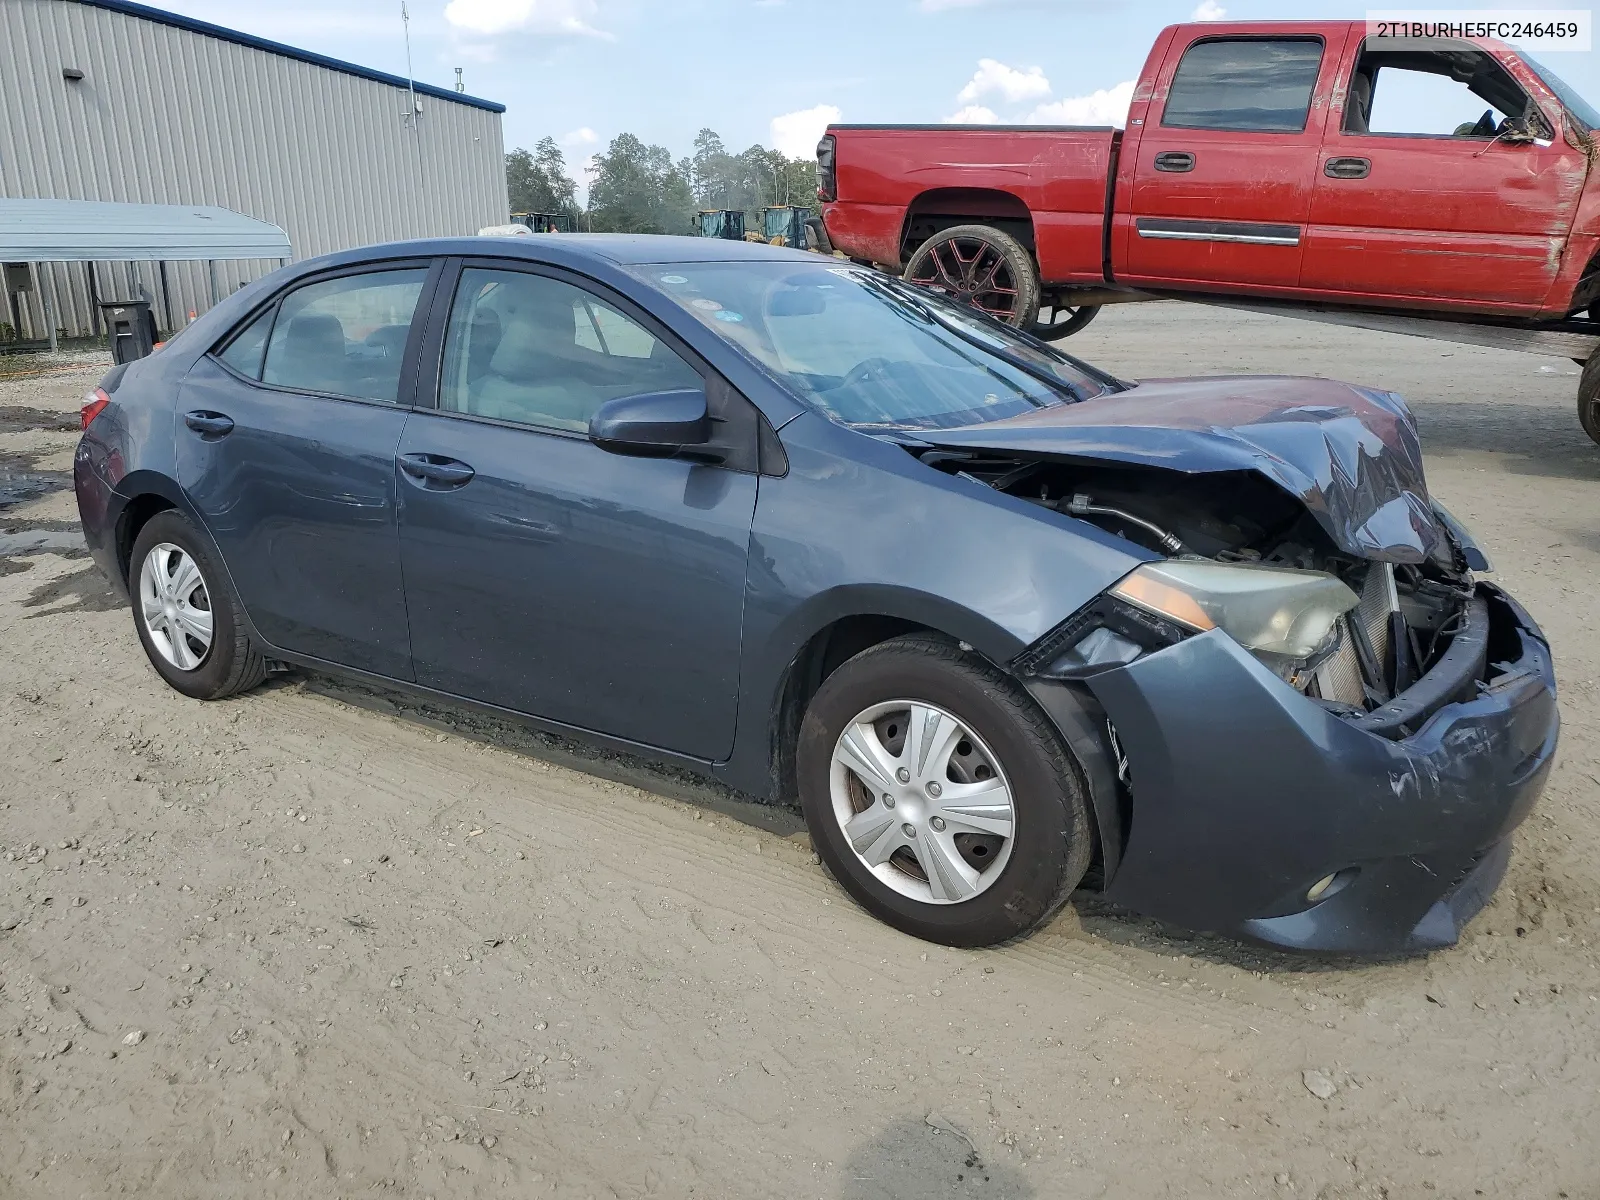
{"x":637,"y":188}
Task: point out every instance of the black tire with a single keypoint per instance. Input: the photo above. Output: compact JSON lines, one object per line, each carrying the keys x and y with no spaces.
{"x":1589,"y":397}
{"x":231,"y":664}
{"x":1050,"y":846}
{"x":956,"y":261}
{"x":1057,"y":328}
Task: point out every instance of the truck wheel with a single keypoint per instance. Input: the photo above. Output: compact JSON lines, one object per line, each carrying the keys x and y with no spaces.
{"x":1064,"y":321}
{"x":980,"y":266}
{"x":1589,"y":397}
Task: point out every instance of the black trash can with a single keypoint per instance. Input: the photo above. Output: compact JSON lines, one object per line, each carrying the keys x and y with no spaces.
{"x":131,"y":326}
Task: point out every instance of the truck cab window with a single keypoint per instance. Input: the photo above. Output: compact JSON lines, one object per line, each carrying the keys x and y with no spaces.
{"x":1255,"y":84}
{"x":1439,"y":93}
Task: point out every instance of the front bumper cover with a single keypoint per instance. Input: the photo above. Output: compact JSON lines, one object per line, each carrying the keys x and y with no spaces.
{"x":1244,"y":793}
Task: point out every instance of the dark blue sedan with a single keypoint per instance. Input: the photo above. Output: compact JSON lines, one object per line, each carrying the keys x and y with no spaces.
{"x":998,"y":621}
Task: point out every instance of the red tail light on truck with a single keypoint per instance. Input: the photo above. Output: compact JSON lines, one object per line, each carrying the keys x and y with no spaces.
{"x":827,"y":176}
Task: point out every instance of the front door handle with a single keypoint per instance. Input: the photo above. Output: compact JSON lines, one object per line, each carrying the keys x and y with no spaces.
{"x":208,"y":424}
{"x":1347,"y":168}
{"x":1175,"y":160}
{"x":436,"y":469}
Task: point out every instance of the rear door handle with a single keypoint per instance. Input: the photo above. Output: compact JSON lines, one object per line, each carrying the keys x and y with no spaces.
{"x":436,"y":469}
{"x":1175,"y":160}
{"x":1347,"y":168}
{"x":208,"y":424}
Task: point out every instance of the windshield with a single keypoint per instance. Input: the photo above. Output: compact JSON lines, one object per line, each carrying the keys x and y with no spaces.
{"x":866,"y":349}
{"x":1582,"y":111}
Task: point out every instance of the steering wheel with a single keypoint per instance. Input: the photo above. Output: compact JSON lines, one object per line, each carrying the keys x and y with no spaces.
{"x":1485,"y":125}
{"x":862,"y":372}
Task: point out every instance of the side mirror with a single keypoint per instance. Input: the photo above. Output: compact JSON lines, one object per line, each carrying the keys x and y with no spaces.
{"x":655,"y":425}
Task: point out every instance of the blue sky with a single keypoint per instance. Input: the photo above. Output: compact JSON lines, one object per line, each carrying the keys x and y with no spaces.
{"x":770,"y":71}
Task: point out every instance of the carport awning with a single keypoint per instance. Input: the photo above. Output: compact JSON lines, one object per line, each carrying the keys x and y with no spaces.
{"x":92,"y":231}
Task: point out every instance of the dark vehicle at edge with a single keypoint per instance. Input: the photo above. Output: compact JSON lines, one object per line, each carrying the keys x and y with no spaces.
{"x":1002,"y":623}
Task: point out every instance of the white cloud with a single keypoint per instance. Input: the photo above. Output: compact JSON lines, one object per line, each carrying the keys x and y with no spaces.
{"x":1014,"y":84}
{"x":568,"y":17}
{"x":796,"y":134}
{"x":973,"y":114}
{"x":580,"y":137}
{"x":1209,"y":10}
{"x":1109,"y":106}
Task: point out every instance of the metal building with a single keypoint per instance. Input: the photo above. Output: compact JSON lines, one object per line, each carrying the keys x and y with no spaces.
{"x":116,"y":101}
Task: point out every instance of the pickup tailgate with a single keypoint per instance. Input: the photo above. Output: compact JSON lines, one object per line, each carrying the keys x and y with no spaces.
{"x":898,"y":183}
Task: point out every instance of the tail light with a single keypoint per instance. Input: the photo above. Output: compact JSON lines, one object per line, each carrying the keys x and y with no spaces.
{"x":827,"y":175}
{"x":93,"y":405}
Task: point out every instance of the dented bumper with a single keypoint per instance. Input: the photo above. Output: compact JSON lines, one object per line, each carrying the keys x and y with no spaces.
{"x":1244,"y":793}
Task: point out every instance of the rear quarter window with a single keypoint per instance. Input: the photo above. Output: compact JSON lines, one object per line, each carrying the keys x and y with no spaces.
{"x":1261,"y":85}
{"x":244,"y":349}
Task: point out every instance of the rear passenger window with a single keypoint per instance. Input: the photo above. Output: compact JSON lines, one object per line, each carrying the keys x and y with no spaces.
{"x":345,"y":336}
{"x":1261,"y":85}
{"x":244,"y":351}
{"x":529,"y":348}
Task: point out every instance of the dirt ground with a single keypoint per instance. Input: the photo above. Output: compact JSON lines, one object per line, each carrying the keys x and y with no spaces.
{"x":312,"y":942}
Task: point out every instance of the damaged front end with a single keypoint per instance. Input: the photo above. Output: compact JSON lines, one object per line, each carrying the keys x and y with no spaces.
{"x":1316,"y":727}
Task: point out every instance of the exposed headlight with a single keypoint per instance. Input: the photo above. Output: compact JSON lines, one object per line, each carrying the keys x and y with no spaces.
{"x":1276,"y":611}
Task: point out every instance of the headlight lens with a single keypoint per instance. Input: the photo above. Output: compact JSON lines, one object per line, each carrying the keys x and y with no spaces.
{"x":1270,"y":610}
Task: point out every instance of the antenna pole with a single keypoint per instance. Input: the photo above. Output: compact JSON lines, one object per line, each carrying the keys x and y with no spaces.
{"x":405,"y":20}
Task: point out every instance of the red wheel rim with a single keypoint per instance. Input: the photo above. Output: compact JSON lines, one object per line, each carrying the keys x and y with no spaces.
{"x":971,"y":271}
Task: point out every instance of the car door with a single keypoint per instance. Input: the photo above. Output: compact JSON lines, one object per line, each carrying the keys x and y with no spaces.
{"x":286,"y":443}
{"x":1225,"y":162}
{"x":1428,"y":189}
{"x":544,"y":574}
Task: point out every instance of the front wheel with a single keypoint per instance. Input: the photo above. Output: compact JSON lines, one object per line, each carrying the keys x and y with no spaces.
{"x":980,"y":266}
{"x":1061,"y":321}
{"x":939,"y":796}
{"x":1589,"y":397}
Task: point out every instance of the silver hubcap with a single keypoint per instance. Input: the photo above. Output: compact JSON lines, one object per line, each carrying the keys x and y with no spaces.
{"x":174,"y":606}
{"x":922,"y":801}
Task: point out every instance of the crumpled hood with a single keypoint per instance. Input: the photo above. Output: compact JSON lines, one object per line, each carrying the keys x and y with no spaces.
{"x":1351,"y":454}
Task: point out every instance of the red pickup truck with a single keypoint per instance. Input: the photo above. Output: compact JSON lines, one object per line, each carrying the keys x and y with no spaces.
{"x":1300,"y":162}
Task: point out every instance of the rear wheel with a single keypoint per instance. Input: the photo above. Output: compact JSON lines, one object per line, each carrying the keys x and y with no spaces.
{"x":939,"y":795}
{"x":1589,"y":397}
{"x":980,"y":266}
{"x":186,"y":615}
{"x":1061,"y":321}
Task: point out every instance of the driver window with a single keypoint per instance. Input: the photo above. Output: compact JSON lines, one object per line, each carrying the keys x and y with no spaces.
{"x":539,"y":351}
{"x":1446,"y":93}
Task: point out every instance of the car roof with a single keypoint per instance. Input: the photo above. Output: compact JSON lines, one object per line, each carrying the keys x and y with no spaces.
{"x":621,"y":249}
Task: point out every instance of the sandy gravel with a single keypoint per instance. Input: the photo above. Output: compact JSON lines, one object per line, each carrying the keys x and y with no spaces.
{"x":312,"y":943}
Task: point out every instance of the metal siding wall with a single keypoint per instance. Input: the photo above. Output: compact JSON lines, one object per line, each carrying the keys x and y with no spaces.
{"x":169,"y":116}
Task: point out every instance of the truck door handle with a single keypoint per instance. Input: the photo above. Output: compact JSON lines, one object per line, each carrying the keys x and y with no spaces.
{"x":1347,"y":168}
{"x":1175,"y":160}
{"x":208,"y":424}
{"x":436,"y":469}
